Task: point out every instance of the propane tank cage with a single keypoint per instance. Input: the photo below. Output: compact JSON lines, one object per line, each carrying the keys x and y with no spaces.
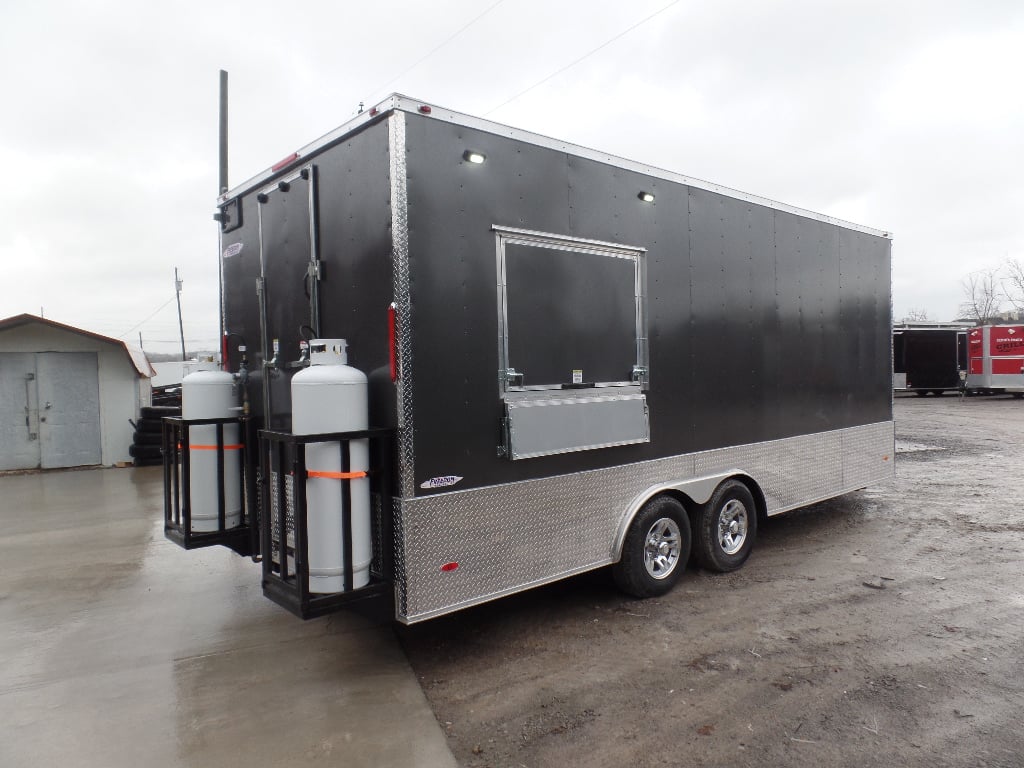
{"x":244,"y":538}
{"x":287,"y":585}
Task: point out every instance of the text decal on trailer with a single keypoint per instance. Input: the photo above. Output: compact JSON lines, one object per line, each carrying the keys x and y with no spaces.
{"x":1007,"y":341}
{"x":440,"y":482}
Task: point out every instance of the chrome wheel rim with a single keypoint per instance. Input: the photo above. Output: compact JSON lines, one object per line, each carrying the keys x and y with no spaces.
{"x":732,"y":527}
{"x":661,"y":548}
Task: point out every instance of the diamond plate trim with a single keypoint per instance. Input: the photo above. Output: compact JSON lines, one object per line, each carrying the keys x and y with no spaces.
{"x":398,"y":530}
{"x":512,"y":537}
{"x":289,"y":520}
{"x":403,"y":304}
{"x":404,"y":382}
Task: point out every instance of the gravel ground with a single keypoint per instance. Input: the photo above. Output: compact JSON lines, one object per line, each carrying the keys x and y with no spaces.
{"x":883,"y":628}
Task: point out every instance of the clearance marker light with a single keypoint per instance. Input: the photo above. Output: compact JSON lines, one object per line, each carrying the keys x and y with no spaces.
{"x":424,"y":109}
{"x":286,"y":162}
{"x":647,"y":197}
{"x":473,"y":157}
{"x":449,"y":567}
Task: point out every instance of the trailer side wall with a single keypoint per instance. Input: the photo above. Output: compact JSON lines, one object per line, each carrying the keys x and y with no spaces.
{"x":762,"y":324}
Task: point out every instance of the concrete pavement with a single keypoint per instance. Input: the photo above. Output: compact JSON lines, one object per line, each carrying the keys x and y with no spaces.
{"x":117,"y":648}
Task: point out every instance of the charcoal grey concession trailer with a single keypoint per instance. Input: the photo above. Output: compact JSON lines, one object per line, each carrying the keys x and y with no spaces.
{"x":574,"y":360}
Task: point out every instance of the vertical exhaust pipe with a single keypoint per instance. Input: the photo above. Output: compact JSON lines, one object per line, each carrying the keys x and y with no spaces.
{"x":223,"y":178}
{"x":222,"y":187}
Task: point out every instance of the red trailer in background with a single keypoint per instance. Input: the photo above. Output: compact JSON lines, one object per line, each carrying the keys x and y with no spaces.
{"x":996,"y":355}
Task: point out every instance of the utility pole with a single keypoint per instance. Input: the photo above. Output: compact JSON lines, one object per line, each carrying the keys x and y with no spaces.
{"x":181,"y":328}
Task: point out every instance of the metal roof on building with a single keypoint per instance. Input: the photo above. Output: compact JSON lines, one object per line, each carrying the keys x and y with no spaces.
{"x":137,"y":357}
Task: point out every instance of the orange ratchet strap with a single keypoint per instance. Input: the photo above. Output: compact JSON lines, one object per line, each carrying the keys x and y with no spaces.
{"x":336,"y":475}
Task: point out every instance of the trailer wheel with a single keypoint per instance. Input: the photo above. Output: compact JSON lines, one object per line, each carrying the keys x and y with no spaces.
{"x":725,"y":528}
{"x":655,"y":550}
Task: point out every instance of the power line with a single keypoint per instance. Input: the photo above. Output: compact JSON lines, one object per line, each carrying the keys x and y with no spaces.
{"x":176,"y":340}
{"x":148,"y":318}
{"x":434,"y":50}
{"x":581,"y":58}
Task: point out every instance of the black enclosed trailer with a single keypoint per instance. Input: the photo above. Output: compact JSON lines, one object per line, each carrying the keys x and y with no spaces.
{"x":574,"y":360}
{"x":929,"y":357}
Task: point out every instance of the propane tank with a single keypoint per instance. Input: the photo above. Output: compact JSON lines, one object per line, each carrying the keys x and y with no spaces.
{"x":209,"y":395}
{"x":330,"y":396}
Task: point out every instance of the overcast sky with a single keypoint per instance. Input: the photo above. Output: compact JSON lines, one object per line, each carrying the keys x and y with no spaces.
{"x":903,"y":116}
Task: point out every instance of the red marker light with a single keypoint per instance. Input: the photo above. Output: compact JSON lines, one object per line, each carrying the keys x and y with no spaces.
{"x":393,"y":341}
{"x":286,"y":162}
{"x":449,"y":567}
{"x":373,"y":111}
{"x":424,"y":109}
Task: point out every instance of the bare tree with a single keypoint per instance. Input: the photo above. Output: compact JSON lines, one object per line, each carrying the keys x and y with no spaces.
{"x":916,"y":316}
{"x":1013,"y":283}
{"x":983,"y":295}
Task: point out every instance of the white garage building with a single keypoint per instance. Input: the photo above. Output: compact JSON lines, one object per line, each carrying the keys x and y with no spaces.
{"x":66,"y":395}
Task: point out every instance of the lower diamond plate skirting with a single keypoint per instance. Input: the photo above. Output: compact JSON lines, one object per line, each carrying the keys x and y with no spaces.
{"x":512,"y":537}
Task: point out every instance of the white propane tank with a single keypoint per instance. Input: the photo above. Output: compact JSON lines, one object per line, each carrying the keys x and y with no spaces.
{"x":210,"y":395}
{"x":330,"y":396}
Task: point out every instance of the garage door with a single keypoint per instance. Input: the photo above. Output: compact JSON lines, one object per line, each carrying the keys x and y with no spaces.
{"x":49,"y":410}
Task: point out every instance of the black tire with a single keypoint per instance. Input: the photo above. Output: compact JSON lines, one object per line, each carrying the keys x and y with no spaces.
{"x":938,"y":392}
{"x":149,"y":425}
{"x":725,"y":528}
{"x":655,"y":550}
{"x":147,"y":438}
{"x":920,"y":392}
{"x":145,"y":451}
{"x":159,"y":411}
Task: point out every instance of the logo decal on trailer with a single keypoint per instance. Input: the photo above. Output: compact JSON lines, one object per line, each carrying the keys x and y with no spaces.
{"x":232,"y":250}
{"x":440,"y":482}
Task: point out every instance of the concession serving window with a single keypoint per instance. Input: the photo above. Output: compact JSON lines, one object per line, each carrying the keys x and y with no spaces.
{"x":572,"y":346}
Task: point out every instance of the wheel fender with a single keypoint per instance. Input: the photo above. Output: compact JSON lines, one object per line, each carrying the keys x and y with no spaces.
{"x":698,"y":490}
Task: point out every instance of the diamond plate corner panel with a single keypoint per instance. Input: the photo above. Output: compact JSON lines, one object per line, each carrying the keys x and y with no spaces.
{"x":398,"y":562}
{"x":861,"y":448}
{"x":403,"y":302}
{"x":511,"y":537}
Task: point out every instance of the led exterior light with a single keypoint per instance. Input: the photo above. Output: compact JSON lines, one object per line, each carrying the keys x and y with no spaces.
{"x":473,"y":157}
{"x":647,"y":197}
